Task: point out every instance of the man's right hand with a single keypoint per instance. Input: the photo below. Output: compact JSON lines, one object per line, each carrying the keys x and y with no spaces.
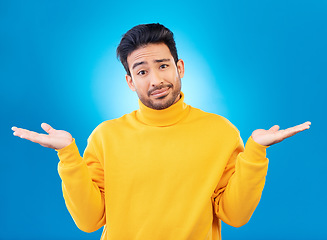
{"x":56,"y":139}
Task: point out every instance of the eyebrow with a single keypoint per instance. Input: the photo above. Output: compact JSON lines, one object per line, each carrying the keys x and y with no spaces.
{"x":156,"y":61}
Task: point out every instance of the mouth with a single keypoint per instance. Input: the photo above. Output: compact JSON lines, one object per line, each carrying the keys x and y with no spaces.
{"x":160,"y":93}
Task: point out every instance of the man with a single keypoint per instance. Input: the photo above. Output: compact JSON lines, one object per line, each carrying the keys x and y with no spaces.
{"x":167,"y":170}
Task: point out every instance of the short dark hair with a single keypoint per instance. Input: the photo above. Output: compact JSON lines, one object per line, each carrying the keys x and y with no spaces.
{"x":140,"y":36}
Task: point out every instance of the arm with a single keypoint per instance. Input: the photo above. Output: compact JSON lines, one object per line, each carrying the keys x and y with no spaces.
{"x":83,"y":186}
{"x":82,"y":178}
{"x":239,"y":190}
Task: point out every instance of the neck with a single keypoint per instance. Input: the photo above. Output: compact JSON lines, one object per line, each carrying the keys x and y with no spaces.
{"x":165,"y":117}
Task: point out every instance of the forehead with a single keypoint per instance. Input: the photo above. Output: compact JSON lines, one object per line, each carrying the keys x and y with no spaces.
{"x":149,"y":52}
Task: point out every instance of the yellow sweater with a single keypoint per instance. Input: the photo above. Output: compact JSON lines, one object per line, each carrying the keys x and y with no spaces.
{"x":169,"y":174}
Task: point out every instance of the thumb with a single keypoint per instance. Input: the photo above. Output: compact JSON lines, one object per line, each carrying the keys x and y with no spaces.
{"x":274,"y":128}
{"x":46,"y":127}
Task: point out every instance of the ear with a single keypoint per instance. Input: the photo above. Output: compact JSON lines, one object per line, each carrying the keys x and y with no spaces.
{"x":130,"y":82}
{"x":180,"y":68}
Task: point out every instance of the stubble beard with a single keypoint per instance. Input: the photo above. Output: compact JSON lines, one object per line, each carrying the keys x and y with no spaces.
{"x":163,"y":103}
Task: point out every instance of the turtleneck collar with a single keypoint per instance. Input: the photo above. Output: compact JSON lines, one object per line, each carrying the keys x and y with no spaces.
{"x":165,"y":117}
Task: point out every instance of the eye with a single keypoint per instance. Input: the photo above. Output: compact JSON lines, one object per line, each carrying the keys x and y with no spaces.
{"x":163,"y":66}
{"x":142,"y":72}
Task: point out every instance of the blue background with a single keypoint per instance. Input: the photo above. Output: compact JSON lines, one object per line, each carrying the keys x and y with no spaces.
{"x":258,"y":63}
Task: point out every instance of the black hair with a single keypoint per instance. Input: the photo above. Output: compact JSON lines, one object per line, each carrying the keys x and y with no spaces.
{"x":140,"y":36}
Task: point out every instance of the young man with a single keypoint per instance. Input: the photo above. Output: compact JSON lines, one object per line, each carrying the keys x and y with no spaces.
{"x":167,"y":170}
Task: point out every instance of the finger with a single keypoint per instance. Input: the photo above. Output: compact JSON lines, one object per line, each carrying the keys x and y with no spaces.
{"x":274,"y":128}
{"x":46,"y":127}
{"x":18,"y":131}
{"x":305,"y":124}
{"x":22,"y":133}
{"x":289,"y":132}
{"x":26,"y":134}
{"x":299,"y":128}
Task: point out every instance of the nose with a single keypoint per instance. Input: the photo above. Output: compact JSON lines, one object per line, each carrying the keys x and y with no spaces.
{"x":156,"y":79}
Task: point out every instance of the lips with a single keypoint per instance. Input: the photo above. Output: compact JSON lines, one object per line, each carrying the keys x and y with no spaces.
{"x":160,"y":92}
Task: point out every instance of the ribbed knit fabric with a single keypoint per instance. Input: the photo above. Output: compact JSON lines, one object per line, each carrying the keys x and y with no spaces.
{"x":169,"y":174}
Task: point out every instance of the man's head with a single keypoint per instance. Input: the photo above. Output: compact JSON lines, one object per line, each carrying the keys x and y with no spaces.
{"x":141,"y":35}
{"x":148,"y":53}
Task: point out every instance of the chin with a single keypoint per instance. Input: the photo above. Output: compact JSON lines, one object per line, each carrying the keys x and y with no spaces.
{"x":163,"y":104}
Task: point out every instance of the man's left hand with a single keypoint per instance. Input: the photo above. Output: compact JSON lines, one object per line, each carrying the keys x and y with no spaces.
{"x":274,"y":135}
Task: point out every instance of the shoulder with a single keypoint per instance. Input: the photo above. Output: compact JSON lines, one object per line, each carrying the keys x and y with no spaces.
{"x":214,"y":120}
{"x":215,"y":126}
{"x":112,"y":125}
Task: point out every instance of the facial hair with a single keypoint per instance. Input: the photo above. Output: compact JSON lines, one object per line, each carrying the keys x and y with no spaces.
{"x":164,"y":103}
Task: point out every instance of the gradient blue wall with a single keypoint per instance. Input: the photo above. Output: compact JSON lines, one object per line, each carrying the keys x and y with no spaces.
{"x":258,"y":63}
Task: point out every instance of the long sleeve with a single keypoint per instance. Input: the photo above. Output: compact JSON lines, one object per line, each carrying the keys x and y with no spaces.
{"x":159,"y":171}
{"x":83,"y":186}
{"x":239,"y":190}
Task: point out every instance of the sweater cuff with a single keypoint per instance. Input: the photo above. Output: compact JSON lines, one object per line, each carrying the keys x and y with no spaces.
{"x":69,"y":155}
{"x":254,"y":151}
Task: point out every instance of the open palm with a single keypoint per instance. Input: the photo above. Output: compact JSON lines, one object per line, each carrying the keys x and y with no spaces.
{"x":274,"y":135}
{"x":56,"y":139}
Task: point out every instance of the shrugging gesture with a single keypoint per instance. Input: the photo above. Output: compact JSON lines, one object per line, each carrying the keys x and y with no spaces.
{"x":56,"y":139}
{"x":274,"y":135}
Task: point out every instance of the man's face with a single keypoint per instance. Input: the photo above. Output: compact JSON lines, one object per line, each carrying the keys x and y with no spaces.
{"x":155,"y":76}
